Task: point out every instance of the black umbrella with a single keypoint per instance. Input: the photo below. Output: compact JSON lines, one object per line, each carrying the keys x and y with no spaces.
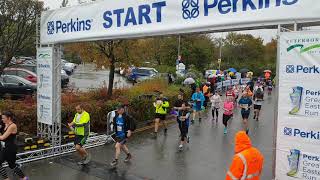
{"x":244,"y":70}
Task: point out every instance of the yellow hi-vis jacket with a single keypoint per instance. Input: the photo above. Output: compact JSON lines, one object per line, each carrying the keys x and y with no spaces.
{"x":82,"y":125}
{"x":162,"y":108}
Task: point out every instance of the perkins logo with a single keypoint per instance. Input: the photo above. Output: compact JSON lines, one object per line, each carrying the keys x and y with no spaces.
{"x":56,"y":27}
{"x":190,"y":9}
{"x":291,"y":69}
{"x":315,"y":135}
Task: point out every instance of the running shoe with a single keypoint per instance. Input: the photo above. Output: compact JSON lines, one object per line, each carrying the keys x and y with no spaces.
{"x":192,"y":121}
{"x":247,"y":131}
{"x":225,"y":131}
{"x":81,"y":162}
{"x":128,"y":158}
{"x":114,"y":163}
{"x":165,"y":131}
{"x":200,"y":120}
{"x":87,"y":159}
{"x":180,"y":147}
{"x":254,"y":117}
{"x":188,"y":139}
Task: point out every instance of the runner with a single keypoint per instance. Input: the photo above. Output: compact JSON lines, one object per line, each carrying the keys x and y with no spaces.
{"x":198,"y":100}
{"x":206,"y":93}
{"x":257,"y":98}
{"x":183,"y":122}
{"x":230,"y":93}
{"x":269,"y":86}
{"x":123,"y":126}
{"x":81,"y":127}
{"x":248,"y":91}
{"x":245,"y":104}
{"x":178,"y":106}
{"x":161,"y":105}
{"x":9,"y":152}
{"x":236,"y":90}
{"x":228,"y":107}
{"x":216,"y":101}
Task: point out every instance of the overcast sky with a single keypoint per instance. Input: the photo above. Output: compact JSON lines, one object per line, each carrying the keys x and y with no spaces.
{"x":266,"y":35}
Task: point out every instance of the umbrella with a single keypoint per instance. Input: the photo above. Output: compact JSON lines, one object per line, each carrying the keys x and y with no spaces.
{"x":189,"y":81}
{"x":244,"y":70}
{"x":267,"y":71}
{"x":232,"y":70}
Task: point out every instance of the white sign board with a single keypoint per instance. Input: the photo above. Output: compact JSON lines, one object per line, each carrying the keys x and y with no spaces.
{"x":235,"y":81}
{"x":244,"y":81}
{"x":45,"y":85}
{"x":114,"y":19}
{"x":298,"y":128}
{"x":227,"y":83}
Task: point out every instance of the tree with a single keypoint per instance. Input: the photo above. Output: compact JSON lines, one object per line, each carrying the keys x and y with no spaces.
{"x":107,"y":53}
{"x":17,"y":28}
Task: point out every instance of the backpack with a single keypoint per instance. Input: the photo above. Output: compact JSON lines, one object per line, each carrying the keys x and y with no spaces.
{"x":259,"y":93}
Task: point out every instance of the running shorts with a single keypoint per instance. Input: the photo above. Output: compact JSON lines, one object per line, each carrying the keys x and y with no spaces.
{"x":245,"y":115}
{"x":257,"y":107}
{"x":121,"y":140}
{"x":160,"y":116}
{"x":80,"y":140}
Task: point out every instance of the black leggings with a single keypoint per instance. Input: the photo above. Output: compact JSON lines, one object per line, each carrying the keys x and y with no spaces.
{"x":215,"y":111}
{"x":183,"y":130}
{"x":226,"y":119}
{"x":9,"y":155}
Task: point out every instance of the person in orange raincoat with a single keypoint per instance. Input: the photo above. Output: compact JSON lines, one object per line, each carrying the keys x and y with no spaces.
{"x":247,"y":162}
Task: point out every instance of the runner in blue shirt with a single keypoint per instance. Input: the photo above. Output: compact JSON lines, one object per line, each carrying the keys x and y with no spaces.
{"x":198,"y":100}
{"x":123,"y":126}
{"x":245,"y":104}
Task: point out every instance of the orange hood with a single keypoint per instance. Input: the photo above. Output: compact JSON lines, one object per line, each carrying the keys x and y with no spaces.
{"x":242,"y":141}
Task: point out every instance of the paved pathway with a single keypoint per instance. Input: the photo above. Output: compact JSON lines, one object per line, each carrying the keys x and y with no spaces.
{"x":207,"y":158}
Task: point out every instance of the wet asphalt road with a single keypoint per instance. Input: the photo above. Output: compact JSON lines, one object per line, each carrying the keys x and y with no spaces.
{"x":207,"y":157}
{"x":86,"y":77}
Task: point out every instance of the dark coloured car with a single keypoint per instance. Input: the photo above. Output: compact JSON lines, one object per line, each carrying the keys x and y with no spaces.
{"x":16,"y":87}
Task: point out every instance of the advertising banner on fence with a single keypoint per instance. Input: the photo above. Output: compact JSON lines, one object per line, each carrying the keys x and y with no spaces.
{"x":114,"y":19}
{"x":45,"y":85}
{"x":298,"y":128}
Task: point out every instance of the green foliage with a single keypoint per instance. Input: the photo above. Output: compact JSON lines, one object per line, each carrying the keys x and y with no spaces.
{"x":166,"y":69}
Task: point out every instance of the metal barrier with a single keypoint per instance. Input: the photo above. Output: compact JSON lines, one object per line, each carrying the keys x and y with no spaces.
{"x":94,"y":140}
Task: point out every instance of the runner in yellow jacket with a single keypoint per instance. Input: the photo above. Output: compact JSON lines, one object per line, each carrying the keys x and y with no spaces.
{"x":162,"y":106}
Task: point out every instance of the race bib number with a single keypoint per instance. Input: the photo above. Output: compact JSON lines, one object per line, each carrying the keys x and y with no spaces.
{"x":119,"y":128}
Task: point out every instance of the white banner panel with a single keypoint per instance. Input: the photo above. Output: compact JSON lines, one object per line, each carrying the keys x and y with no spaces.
{"x":298,"y":133}
{"x":115,"y":19}
{"x":45,"y":85}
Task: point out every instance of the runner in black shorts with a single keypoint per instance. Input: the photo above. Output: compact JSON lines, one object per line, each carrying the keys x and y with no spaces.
{"x":9,"y":152}
{"x":245,"y":104}
{"x":161,"y":105}
{"x":123,"y":126}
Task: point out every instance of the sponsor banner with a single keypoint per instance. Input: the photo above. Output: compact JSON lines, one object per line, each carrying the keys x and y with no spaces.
{"x":298,"y":128}
{"x":227,"y":83}
{"x":127,"y":19}
{"x":45,"y":85}
{"x":244,"y":80}
{"x":235,"y":81}
{"x":219,"y":85}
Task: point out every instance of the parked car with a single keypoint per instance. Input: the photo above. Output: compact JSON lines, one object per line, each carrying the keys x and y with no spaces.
{"x":16,"y":87}
{"x":142,"y":73}
{"x":24,"y":73}
{"x":33,"y":68}
{"x":64,"y":78}
{"x":68,"y":67}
